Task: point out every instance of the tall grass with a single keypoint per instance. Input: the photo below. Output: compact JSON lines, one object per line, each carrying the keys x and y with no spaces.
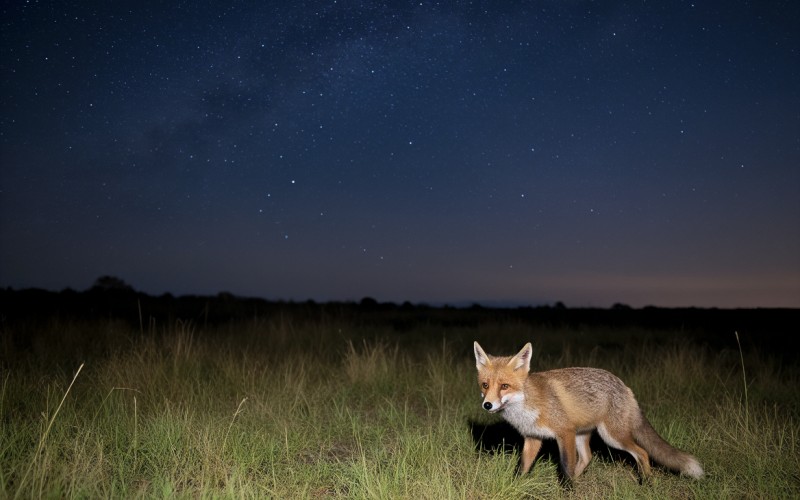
{"x":286,"y":408}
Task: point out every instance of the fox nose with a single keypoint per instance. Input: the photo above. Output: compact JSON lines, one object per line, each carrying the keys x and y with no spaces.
{"x":487,"y":406}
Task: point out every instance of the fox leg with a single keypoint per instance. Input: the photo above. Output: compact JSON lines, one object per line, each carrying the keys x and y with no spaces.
{"x":641,"y":456}
{"x":584,"y":452}
{"x":567,"y":448}
{"x":529,"y":451}
{"x":624,"y":441}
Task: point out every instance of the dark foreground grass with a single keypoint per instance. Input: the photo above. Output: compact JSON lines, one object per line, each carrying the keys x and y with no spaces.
{"x":285,"y":409}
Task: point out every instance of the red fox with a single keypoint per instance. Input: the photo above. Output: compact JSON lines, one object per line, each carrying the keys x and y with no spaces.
{"x":567,"y":405}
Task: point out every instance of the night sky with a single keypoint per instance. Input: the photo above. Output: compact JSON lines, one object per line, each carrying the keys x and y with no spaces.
{"x":645,"y":153}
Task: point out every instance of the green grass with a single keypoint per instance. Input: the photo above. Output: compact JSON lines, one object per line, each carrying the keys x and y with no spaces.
{"x":287,"y":408}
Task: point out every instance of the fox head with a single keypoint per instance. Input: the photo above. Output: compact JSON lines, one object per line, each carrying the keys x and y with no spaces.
{"x":501,"y":379}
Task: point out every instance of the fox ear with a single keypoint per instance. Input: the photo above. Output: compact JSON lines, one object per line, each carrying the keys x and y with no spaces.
{"x":523,"y":358}
{"x":481,"y":358}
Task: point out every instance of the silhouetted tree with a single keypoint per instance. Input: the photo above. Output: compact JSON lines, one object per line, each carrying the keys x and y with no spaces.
{"x":110,"y":284}
{"x":368,"y":303}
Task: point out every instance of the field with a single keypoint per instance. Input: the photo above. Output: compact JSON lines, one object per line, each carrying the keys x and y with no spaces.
{"x":307,"y":401}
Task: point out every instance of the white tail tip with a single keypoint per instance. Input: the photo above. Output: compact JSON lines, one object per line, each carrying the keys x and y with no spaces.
{"x":693,"y":469}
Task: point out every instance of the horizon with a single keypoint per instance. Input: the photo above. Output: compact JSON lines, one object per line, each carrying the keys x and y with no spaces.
{"x":569,"y":299}
{"x":117,"y":284}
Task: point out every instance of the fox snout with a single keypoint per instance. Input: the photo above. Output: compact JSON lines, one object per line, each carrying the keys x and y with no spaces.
{"x":493,"y":407}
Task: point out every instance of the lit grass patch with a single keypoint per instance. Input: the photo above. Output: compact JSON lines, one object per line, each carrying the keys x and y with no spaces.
{"x":284,"y":407}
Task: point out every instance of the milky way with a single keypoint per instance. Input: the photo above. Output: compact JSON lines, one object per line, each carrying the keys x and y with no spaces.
{"x":592,"y":153}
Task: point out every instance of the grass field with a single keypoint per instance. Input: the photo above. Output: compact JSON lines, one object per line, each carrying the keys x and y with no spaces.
{"x":287,"y":407}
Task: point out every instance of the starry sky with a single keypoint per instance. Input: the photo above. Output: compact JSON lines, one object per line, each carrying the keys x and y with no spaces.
{"x":507,"y":153}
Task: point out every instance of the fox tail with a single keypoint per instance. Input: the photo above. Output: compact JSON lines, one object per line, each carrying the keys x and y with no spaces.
{"x":664,"y":453}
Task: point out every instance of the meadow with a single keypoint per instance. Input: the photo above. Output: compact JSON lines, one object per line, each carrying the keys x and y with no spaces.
{"x":293,"y":404}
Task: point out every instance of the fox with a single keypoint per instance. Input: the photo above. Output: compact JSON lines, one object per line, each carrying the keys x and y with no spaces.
{"x":567,"y":405}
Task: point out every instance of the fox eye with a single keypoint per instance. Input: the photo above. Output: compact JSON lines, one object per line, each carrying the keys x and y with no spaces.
{"x":485,"y":385}
{"x":503,"y":386}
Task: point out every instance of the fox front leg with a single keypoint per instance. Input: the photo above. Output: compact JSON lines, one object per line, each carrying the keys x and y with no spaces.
{"x":529,"y":451}
{"x":567,"y":448}
{"x":584,"y":452}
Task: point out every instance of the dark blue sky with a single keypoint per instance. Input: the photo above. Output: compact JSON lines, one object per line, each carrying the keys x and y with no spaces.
{"x":584,"y":152}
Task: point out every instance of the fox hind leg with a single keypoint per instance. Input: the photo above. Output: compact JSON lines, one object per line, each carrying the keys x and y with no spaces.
{"x":624,"y":441}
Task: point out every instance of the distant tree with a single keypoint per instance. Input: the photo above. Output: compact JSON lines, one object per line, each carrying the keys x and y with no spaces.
{"x":621,"y":307}
{"x":368,"y":302}
{"x":110,"y":284}
{"x":559,"y":305}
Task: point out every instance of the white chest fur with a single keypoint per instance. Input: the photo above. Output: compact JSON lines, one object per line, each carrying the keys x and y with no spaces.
{"x":526,"y":421}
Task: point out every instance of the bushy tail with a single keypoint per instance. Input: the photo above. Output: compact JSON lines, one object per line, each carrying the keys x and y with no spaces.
{"x":664,"y":453}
